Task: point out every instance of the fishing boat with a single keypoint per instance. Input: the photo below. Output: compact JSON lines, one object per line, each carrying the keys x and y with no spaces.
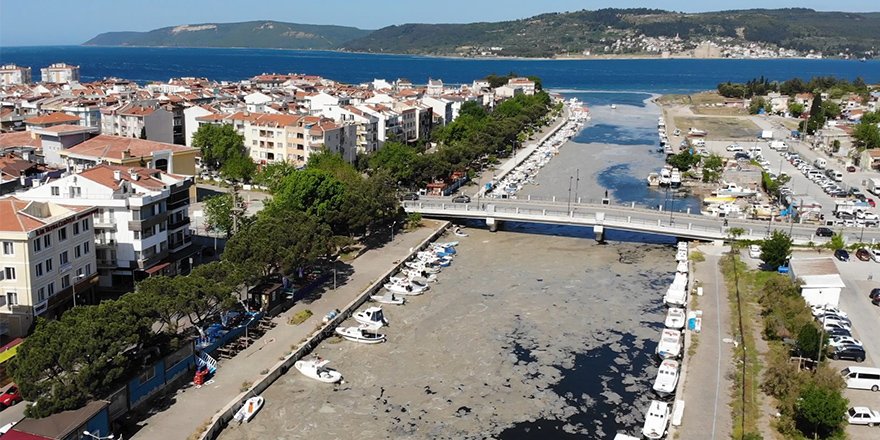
{"x":417,"y":275}
{"x":675,"y":318}
{"x":372,"y":317}
{"x":665,"y":176}
{"x":675,"y":178}
{"x":676,"y":296}
{"x":249,"y":409}
{"x":656,"y":420}
{"x":361,"y":335}
{"x":389,"y":298}
{"x":653,"y":179}
{"x":667,"y":378}
{"x":317,"y":369}
{"x":421,"y":266}
{"x":669,"y":346}
{"x":734,"y":190}
{"x":459,"y":233}
{"x":411,"y":288}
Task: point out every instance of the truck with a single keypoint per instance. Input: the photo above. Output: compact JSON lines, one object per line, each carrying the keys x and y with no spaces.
{"x":874,"y":186}
{"x":767,"y":134}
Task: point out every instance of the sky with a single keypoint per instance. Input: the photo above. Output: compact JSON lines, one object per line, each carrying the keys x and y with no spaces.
{"x":63,"y":22}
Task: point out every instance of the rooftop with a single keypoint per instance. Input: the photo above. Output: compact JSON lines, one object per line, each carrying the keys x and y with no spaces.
{"x":57,"y":426}
{"x":24,"y":216}
{"x":52,"y":118}
{"x":116,"y":147}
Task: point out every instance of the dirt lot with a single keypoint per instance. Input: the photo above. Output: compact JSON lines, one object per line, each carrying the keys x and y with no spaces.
{"x":719,"y":127}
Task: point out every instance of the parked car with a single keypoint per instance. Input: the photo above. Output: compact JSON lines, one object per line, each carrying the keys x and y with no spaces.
{"x":838,"y":332}
{"x":851,"y":169}
{"x":861,"y":415}
{"x":755,"y":251}
{"x":849,"y":352}
{"x":821,"y":310}
{"x":734,"y":148}
{"x":837,"y":341}
{"x":10,"y":397}
{"x":872,"y":203}
{"x":824,"y":232}
{"x":863,"y":254}
{"x":841,"y":254}
{"x":410,"y":196}
{"x":461,"y":199}
{"x":875,"y":255}
{"x":742,"y":156}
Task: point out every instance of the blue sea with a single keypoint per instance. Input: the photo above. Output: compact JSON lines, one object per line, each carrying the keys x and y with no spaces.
{"x":656,"y":76}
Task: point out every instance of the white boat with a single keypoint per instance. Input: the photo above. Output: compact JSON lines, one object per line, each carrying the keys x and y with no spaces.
{"x":675,"y":318}
{"x":682,"y":267}
{"x":459,"y":233}
{"x":667,"y":378}
{"x":423,"y":267}
{"x":734,"y":190}
{"x":249,"y":409}
{"x":372,"y":317}
{"x":404,"y":289}
{"x":697,"y":132}
{"x":675,"y":178}
{"x":723,"y":210}
{"x":317,"y":369}
{"x":653,"y":179}
{"x":613,"y":106}
{"x":389,"y":298}
{"x":676,"y":132}
{"x":360,"y":335}
{"x":656,"y":420}
{"x":670,"y":344}
{"x":417,"y":275}
{"x":620,"y":436}
{"x":665,"y":176}
{"x":676,"y":296}
{"x":681,"y":256}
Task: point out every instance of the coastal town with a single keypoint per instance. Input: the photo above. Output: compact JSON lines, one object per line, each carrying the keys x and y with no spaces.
{"x":413,"y":233}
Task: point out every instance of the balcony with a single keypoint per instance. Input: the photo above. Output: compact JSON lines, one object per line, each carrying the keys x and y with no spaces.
{"x":104,"y":223}
{"x":172,"y":225}
{"x":178,"y":245}
{"x":148,"y":262}
{"x":140,"y":225}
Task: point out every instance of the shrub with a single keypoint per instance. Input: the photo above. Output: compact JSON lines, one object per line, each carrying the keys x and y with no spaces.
{"x":300,"y":317}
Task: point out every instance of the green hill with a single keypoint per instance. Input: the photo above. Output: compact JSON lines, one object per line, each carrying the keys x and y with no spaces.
{"x":596,"y":31}
{"x":257,"y":34}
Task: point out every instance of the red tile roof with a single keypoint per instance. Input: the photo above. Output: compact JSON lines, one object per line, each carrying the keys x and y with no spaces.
{"x":13,"y":220}
{"x":52,"y":118}
{"x":20,"y":139}
{"x":104,"y":175}
{"x":112,"y":147}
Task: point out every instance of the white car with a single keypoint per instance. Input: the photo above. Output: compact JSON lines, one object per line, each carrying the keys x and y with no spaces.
{"x":836,"y":341}
{"x":755,"y":251}
{"x":734,"y":148}
{"x":861,"y":415}
{"x":866,"y":215}
{"x":875,"y":255}
{"x":818,"y":310}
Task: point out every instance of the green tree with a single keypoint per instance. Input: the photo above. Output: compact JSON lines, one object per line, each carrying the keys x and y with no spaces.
{"x":817,"y":115}
{"x":272,"y":174}
{"x":836,"y":243}
{"x":239,"y":168}
{"x":313,"y":192}
{"x":712,"y":167}
{"x":866,"y":135}
{"x":831,"y":110}
{"x":218,"y":144}
{"x":776,"y":249}
{"x":757,"y":105}
{"x":220,"y":216}
{"x":684,"y":160}
{"x":820,"y":411}
{"x":808,"y":341}
{"x":397,"y":159}
{"x":796,"y":109}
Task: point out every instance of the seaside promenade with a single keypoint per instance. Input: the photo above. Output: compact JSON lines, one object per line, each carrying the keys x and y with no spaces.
{"x":180,"y":414}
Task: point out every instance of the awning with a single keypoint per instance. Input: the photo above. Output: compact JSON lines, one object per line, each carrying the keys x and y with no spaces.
{"x":157,"y":268}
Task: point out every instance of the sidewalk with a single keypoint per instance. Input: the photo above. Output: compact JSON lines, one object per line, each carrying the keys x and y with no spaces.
{"x":706,"y":390}
{"x":183,"y":413}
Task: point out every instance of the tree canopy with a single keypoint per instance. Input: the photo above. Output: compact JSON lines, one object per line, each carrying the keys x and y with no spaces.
{"x":776,"y":249}
{"x":223,"y":149}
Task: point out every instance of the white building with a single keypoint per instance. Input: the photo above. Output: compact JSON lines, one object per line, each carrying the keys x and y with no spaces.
{"x":191,"y":122}
{"x":48,"y":251}
{"x":141,"y":220}
{"x":256,"y":102}
{"x":821,"y":282}
{"x":60,"y":73}
{"x":10,"y":74}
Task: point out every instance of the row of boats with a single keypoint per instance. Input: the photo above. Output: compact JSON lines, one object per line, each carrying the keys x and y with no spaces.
{"x":668,"y":176}
{"x":526,"y":172}
{"x":412,"y":280}
{"x":669,"y":349}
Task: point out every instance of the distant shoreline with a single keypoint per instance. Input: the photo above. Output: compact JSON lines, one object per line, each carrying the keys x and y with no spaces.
{"x":460,"y":57}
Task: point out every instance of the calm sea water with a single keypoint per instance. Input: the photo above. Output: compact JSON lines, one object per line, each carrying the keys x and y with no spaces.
{"x":160,"y":64}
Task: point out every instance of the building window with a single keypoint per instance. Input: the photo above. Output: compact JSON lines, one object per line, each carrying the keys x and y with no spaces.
{"x":56,"y":191}
{"x":9,"y":272}
{"x":62,"y":259}
{"x":41,"y":294}
{"x":76,"y":229}
{"x":39,"y":269}
{"x":8,"y":248}
{"x":11,"y":299}
{"x":88,"y":269}
{"x":137,"y":235}
{"x":85,"y":224}
{"x":77,"y":252}
{"x":65,"y":281}
{"x":86,"y":248}
{"x":47,"y":240}
{"x":62,"y":234}
{"x":38,"y":245}
{"x":75,"y":191}
{"x":79,"y":273}
{"x":50,"y":289}
{"x":49,"y":265}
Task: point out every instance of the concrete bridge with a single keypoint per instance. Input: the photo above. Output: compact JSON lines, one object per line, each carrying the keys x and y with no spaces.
{"x":631,"y":218}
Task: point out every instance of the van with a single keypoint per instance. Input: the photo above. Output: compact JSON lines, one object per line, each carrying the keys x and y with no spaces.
{"x":820,"y":163}
{"x":837,"y":176}
{"x":862,"y":378}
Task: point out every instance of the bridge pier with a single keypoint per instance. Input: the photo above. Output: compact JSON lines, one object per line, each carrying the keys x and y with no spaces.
{"x":599,"y":229}
{"x":493,"y":224}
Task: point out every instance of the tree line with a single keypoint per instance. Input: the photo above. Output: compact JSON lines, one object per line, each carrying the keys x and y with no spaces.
{"x":761,"y":86}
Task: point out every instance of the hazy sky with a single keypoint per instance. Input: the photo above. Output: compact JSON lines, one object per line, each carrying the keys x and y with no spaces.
{"x":47,"y":22}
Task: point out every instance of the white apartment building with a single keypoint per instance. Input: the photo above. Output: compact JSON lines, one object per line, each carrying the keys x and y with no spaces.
{"x":367,"y":128}
{"x":47,"y":256}
{"x":60,"y":73}
{"x":10,"y":74}
{"x":141,"y":219}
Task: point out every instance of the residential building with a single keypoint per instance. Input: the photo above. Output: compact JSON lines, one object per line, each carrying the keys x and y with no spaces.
{"x":141,"y":219}
{"x":527,"y":86}
{"x":51,"y":119}
{"x":60,"y":73}
{"x":10,"y":74}
{"x":55,"y":138}
{"x":435,"y":87}
{"x":191,"y":123}
{"x":144,"y":121}
{"x":48,"y":252}
{"x":130,"y":152}
{"x":366,"y":128}
{"x":17,"y":168}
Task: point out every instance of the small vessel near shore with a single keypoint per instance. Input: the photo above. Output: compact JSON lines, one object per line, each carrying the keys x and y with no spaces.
{"x":734,"y":190}
{"x":667,"y":378}
{"x":372,"y":317}
{"x":249,"y":409}
{"x":653,"y":179}
{"x":682,"y":267}
{"x":670,"y":344}
{"x":389,"y":298}
{"x":675,"y":318}
{"x":361,"y":335}
{"x":656,"y":420}
{"x":697,"y":132}
{"x":317,"y":369}
{"x":613,"y":106}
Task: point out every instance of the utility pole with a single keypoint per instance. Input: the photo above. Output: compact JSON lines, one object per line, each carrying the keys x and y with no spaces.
{"x":577,"y":184}
{"x":570,"y":179}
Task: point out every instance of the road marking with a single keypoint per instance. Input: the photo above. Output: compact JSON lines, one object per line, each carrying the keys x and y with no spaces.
{"x":718,"y":376}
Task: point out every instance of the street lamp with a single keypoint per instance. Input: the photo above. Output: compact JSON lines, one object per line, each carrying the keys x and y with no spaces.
{"x":75,"y":279}
{"x":577,"y":184}
{"x":393,"y":224}
{"x":570,"y":179}
{"x":98,"y":437}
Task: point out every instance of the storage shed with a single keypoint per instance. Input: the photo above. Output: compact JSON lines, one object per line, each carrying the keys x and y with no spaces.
{"x":820,"y":281}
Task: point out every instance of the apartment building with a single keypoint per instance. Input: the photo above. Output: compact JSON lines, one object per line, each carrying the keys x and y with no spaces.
{"x":47,"y":256}
{"x":10,"y":74}
{"x":145,"y":121}
{"x":366,"y":128}
{"x":141,"y":219}
{"x":125,"y":151}
{"x":60,"y":73}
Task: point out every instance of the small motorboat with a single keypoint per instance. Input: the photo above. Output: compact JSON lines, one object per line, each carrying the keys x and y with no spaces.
{"x":697,"y":132}
{"x":682,"y":267}
{"x":613,"y":106}
{"x":410,"y":288}
{"x":360,"y":334}
{"x":670,"y":344}
{"x":417,"y":275}
{"x":676,"y":296}
{"x":675,"y":318}
{"x":459,"y":233}
{"x":667,"y":378}
{"x":249,"y":409}
{"x":389,"y":298}
{"x":656,"y":420}
{"x":681,"y":256}
{"x":317,"y":369}
{"x":423,"y":267}
{"x":372,"y":317}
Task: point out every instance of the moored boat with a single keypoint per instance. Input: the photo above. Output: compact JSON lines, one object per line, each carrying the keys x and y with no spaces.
{"x":389,"y":298}
{"x":656,"y":420}
{"x":317,"y":369}
{"x":372,"y":317}
{"x":669,"y":346}
{"x":361,"y":335}
{"x":675,"y":318}
{"x":667,"y":378}
{"x":249,"y":409}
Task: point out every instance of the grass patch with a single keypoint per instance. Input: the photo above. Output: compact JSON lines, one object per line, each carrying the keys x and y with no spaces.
{"x":720,"y":127}
{"x":197,"y":434}
{"x":246,"y":385}
{"x":300,"y":317}
{"x":698,"y":257}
